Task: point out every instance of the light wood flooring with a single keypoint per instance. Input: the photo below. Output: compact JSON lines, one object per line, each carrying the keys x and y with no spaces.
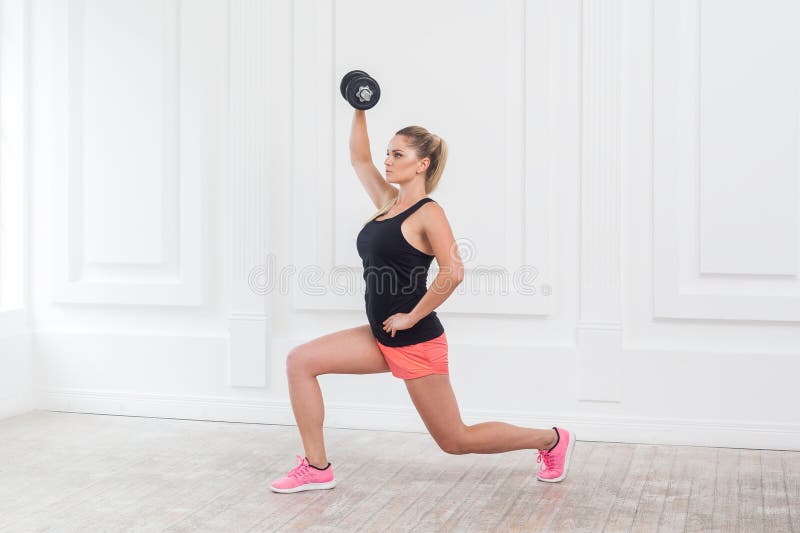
{"x":87,"y":473}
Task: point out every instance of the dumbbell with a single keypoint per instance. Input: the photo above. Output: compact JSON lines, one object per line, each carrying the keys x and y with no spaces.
{"x":360,"y":90}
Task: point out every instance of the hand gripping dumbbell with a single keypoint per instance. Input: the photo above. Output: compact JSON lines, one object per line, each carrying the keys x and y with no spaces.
{"x":358,"y":88}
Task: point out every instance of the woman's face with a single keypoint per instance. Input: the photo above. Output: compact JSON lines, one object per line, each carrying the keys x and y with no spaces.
{"x":402,"y":164}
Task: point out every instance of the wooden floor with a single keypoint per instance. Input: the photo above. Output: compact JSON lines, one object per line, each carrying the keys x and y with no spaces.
{"x":87,"y":473}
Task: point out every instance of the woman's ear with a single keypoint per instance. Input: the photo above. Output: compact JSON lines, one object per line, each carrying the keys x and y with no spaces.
{"x":424,"y":164}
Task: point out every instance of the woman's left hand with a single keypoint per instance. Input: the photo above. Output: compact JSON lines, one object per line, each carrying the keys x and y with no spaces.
{"x":397,"y":322}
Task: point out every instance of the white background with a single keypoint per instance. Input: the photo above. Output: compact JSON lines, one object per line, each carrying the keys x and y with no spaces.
{"x":641,"y":157}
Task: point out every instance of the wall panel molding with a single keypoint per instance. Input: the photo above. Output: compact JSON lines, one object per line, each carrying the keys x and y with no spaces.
{"x":92,"y":264}
{"x":599,"y":328}
{"x":248,"y":172}
{"x":689,"y":281}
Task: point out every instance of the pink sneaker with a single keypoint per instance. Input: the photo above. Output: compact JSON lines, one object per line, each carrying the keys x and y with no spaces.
{"x":305,"y":477}
{"x":556,"y":461}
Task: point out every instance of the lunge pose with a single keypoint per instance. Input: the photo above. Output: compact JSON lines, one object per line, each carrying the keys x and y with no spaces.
{"x":404,"y":335}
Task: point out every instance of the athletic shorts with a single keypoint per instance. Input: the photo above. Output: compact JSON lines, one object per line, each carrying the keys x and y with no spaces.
{"x":417,"y":360}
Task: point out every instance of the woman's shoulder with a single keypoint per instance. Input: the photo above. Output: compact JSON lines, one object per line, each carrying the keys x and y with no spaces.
{"x":430,"y":204}
{"x":432,"y":213}
{"x":427,"y":201}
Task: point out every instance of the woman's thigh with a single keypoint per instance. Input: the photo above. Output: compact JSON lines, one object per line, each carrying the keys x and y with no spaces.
{"x":350,"y":351}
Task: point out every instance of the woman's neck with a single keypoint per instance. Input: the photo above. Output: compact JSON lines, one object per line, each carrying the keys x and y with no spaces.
{"x":407,"y":197}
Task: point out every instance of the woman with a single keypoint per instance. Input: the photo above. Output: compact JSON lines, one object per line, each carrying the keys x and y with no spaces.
{"x":404,"y":334}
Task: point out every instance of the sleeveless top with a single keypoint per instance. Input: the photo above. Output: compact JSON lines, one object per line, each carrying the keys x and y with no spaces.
{"x":395,"y":274}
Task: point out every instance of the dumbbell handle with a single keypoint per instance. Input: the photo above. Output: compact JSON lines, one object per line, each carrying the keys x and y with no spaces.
{"x":364,"y":94}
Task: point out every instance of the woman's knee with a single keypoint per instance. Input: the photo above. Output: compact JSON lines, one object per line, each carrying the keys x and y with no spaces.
{"x":453,"y":447}
{"x":297,"y":362}
{"x":454,"y":443}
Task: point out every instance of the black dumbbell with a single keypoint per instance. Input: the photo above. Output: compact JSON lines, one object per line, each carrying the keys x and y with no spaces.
{"x":360,"y":90}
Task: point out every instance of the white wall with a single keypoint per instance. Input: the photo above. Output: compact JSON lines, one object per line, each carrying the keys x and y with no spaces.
{"x":641,"y":157}
{"x":16,"y":364}
{"x":16,"y":352}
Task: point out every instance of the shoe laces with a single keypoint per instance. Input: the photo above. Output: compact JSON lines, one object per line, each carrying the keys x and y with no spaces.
{"x":546,"y":458}
{"x":300,"y":470}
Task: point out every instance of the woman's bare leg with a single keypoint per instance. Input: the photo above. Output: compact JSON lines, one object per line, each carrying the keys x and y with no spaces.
{"x":350,"y":351}
{"x":497,"y":437}
{"x":436,"y":403}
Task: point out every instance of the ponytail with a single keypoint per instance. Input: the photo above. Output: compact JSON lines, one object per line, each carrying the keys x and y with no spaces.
{"x":438,"y":161}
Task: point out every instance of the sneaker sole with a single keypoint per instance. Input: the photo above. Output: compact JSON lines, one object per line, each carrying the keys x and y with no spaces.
{"x":307,"y":486}
{"x":566,"y":462}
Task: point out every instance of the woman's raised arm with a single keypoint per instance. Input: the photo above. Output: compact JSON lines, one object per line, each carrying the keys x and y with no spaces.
{"x":377,"y":188}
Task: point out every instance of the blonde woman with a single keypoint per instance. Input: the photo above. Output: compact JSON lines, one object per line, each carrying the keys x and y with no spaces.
{"x":403,"y":335}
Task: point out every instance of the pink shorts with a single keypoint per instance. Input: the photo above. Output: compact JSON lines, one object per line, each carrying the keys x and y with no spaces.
{"x":417,"y":360}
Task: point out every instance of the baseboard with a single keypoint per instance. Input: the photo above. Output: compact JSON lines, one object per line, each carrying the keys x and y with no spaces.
{"x":597,"y":428}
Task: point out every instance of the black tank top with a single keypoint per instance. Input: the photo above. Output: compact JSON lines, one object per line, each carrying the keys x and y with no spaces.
{"x":395,"y":274}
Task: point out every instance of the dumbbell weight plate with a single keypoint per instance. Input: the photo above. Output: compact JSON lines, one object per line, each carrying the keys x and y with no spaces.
{"x":346,"y":79}
{"x":363,"y":92}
